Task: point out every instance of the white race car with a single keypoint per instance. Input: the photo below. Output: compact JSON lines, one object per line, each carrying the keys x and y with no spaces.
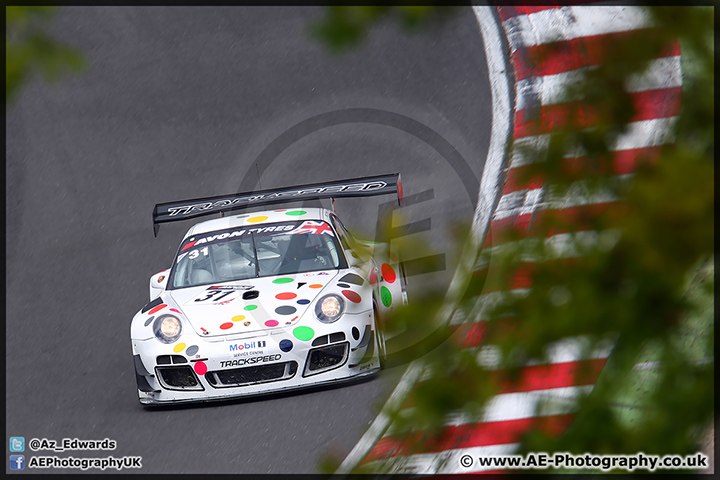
{"x":265,"y":301}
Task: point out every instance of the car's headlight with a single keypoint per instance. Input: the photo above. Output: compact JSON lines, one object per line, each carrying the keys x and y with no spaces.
{"x":329,"y":308}
{"x":167,"y":328}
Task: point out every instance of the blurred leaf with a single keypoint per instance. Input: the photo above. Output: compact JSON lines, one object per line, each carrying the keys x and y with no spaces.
{"x":28,"y":49}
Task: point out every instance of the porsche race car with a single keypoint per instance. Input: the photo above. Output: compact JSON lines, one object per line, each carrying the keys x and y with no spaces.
{"x":267,"y":301}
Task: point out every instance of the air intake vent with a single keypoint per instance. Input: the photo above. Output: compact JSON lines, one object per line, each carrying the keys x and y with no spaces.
{"x":178,"y":378}
{"x":237,"y":377}
{"x":171,"y":359}
{"x":327,"y":358}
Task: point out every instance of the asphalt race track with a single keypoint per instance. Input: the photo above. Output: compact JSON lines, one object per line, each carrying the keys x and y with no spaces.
{"x":188,"y":102}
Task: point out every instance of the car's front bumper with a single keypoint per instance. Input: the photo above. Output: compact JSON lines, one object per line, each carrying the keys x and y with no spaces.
{"x":229,"y":367}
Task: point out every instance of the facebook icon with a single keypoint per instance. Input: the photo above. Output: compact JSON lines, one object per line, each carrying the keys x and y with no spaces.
{"x":17,"y":462}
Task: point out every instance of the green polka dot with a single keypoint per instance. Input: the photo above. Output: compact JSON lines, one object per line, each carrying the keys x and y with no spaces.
{"x":386,"y":296}
{"x":283,"y":280}
{"x":251,"y":307}
{"x":304,"y":333}
{"x":296,"y":212}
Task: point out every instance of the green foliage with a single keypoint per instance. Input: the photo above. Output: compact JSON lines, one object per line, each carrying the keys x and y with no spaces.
{"x":345,"y":27}
{"x":639,"y":276}
{"x":29,"y":49}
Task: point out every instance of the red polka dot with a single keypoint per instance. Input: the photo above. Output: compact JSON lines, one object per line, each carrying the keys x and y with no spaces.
{"x":388,"y":273}
{"x":285,"y":296}
{"x":227,"y":325}
{"x":280,"y":210}
{"x":176,"y":310}
{"x":373,"y":278}
{"x":200,"y":368}
{"x":352,"y":296}
{"x":157,"y":309}
{"x":271,"y":323}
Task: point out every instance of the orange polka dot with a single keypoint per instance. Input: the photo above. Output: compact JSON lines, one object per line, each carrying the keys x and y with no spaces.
{"x":315,"y":285}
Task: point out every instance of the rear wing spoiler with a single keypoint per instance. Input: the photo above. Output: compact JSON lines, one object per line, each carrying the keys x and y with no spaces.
{"x":354,"y":187}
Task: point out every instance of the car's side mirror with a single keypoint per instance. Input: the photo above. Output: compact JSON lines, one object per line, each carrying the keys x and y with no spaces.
{"x":158,"y":282}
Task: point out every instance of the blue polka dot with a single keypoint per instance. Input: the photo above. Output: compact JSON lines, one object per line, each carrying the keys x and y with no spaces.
{"x":286,"y":345}
{"x":303,"y":302}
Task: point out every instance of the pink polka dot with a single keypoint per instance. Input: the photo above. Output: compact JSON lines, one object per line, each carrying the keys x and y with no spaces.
{"x":271,"y":323}
{"x":227,"y":325}
{"x":176,"y":310}
{"x":373,"y":278}
{"x":352,"y":296}
{"x":200,"y":368}
{"x":285,"y":296}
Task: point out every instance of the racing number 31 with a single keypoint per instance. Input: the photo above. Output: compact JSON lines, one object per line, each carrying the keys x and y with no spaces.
{"x":215,"y":295}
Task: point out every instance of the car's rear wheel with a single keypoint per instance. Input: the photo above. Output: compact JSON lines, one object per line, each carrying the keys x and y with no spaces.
{"x":380,"y":336}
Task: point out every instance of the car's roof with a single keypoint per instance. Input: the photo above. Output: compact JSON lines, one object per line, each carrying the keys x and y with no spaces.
{"x":259,"y":218}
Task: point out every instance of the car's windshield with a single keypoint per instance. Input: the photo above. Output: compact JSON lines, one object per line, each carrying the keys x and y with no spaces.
{"x":258,"y":251}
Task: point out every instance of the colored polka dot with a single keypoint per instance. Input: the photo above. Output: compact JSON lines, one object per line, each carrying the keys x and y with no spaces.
{"x":343,"y":285}
{"x":192,"y":350}
{"x":296,"y":213}
{"x":388,"y":273}
{"x":157,"y":309}
{"x":225,"y":326}
{"x":285,"y":310}
{"x":304,"y":333}
{"x":238,"y":318}
{"x":286,"y":345}
{"x":373,"y":278}
{"x":247,"y":324}
{"x":200,"y":368}
{"x":352,"y":296}
{"x":286,"y":296}
{"x":281,"y":210}
{"x":179,"y":347}
{"x":261,"y":218}
{"x":251,"y":307}
{"x":176,"y":310}
{"x":149,"y":320}
{"x":271,"y":323}
{"x":300,"y":302}
{"x":315,"y":285}
{"x":385,"y":296}
{"x":282,"y":280}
